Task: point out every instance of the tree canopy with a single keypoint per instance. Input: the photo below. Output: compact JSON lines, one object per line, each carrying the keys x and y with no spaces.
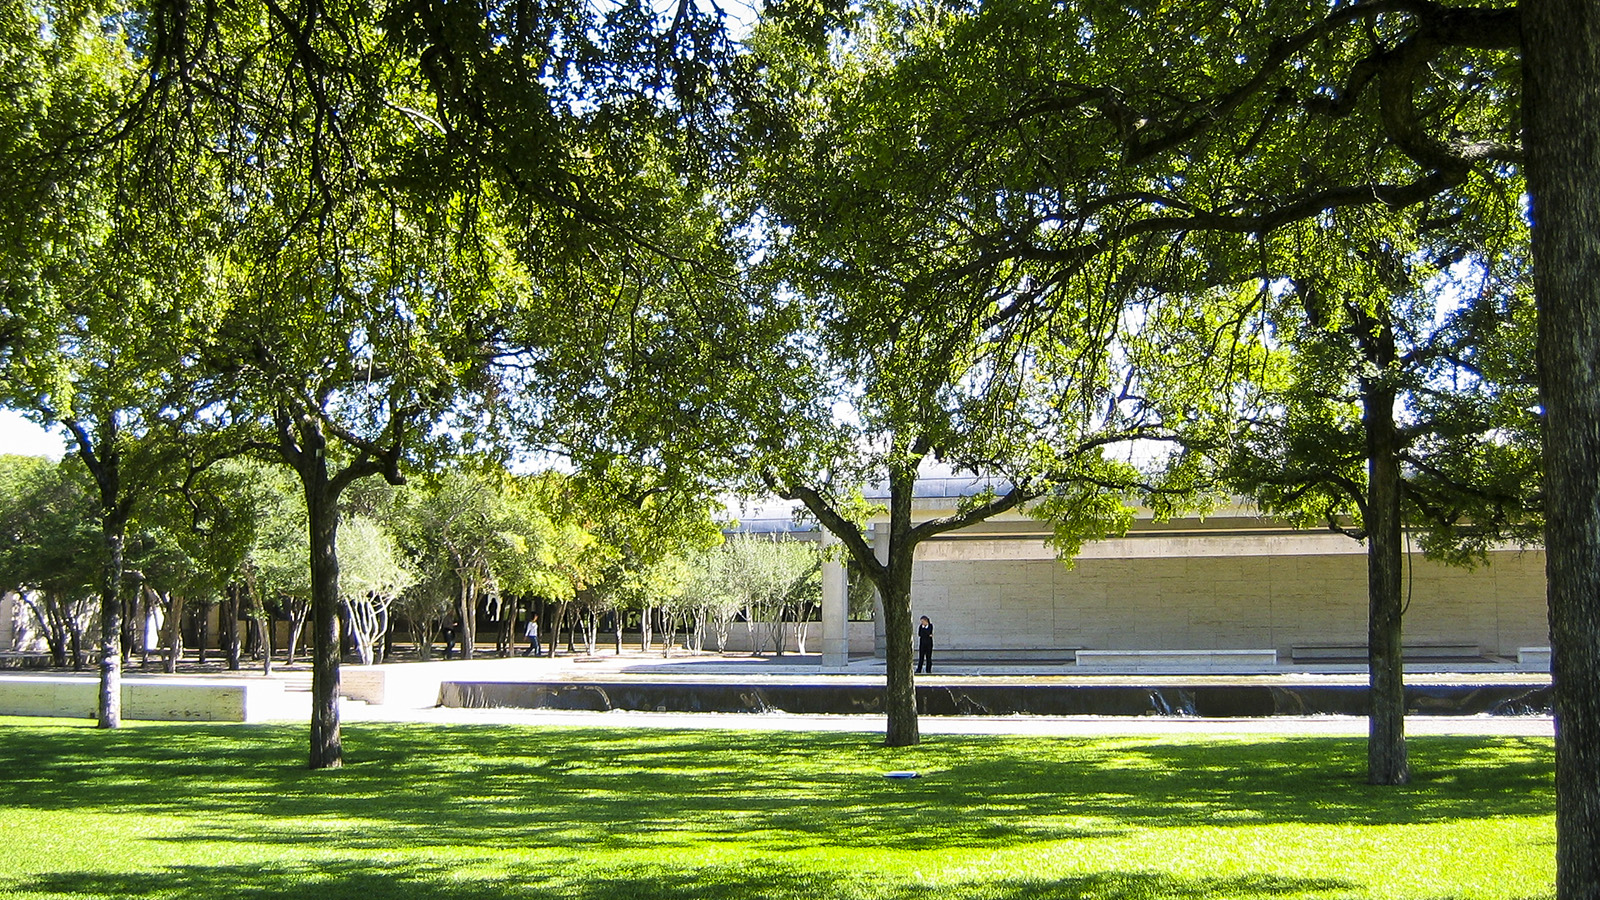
{"x":956,"y":217}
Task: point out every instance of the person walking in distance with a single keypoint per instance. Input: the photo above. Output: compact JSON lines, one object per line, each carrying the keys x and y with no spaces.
{"x":925,"y":646}
{"x":531,"y":632}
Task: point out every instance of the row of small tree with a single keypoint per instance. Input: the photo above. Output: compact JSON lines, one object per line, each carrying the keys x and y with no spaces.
{"x":445,"y":549}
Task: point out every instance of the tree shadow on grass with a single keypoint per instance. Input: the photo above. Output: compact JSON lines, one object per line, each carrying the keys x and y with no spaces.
{"x":785,"y":883}
{"x":1285,"y":781}
{"x":508,"y":787}
{"x":363,"y":880}
{"x":340,"y":880}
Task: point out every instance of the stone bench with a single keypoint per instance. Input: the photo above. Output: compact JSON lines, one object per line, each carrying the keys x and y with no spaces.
{"x":1357,"y":652}
{"x":1199,"y":659}
{"x":1533,"y":659}
{"x":1004,"y":654}
{"x":24,"y":659}
{"x":149,"y":699}
{"x":407,"y":685}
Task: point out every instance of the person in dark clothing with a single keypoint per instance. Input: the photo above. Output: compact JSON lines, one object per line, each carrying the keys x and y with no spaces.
{"x":925,"y":646}
{"x":449,"y":631}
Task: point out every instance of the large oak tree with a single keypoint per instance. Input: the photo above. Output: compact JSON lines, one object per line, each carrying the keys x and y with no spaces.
{"x":106,"y":275}
{"x":1401,"y":400}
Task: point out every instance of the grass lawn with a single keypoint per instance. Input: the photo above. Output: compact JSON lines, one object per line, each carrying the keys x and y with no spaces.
{"x":229,"y":811}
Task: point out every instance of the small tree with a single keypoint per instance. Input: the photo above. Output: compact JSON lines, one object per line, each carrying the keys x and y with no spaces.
{"x":371,"y":575}
{"x":712,"y":596}
{"x":484,"y":534}
{"x":774,"y":580}
{"x":244,"y":523}
{"x":50,"y":550}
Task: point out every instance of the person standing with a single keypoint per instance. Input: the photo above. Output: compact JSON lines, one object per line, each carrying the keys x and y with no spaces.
{"x":925,"y":646}
{"x":451,"y":625}
{"x":532,"y":634}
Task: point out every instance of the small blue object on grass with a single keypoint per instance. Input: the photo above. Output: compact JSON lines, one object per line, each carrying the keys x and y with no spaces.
{"x":900,"y":775}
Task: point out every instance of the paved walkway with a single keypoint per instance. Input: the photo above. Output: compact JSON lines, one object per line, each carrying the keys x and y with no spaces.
{"x":1065,"y":726}
{"x":294,"y":703}
{"x":632,"y":665}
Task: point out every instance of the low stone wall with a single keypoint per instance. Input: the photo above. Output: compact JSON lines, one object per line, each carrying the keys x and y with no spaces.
{"x":1187,"y":660}
{"x":150,"y":699}
{"x":740,"y":640}
{"x":987,"y":699}
{"x":1533,"y":659}
{"x":412,"y":686}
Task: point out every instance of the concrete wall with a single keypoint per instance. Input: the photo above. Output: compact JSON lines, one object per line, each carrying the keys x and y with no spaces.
{"x":156,"y":699}
{"x":740,"y":641}
{"x":18,"y":630}
{"x":9,"y":609}
{"x":1218,"y":592}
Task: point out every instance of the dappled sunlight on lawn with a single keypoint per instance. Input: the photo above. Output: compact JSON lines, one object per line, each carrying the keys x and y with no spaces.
{"x":426,"y":811}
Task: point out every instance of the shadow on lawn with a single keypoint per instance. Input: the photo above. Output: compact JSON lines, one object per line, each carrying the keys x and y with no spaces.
{"x":502,"y":788}
{"x":771,"y":882}
{"x":353,"y":880}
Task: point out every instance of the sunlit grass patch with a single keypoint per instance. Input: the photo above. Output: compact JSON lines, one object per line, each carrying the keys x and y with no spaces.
{"x":490,"y":812}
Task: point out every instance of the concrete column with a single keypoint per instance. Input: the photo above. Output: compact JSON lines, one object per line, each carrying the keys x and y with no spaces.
{"x":9,"y":601}
{"x":835,"y":608}
{"x":880,"y":547}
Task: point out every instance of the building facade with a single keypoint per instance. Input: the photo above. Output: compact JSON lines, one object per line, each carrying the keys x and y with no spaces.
{"x":1230,"y":581}
{"x":1219,"y":584}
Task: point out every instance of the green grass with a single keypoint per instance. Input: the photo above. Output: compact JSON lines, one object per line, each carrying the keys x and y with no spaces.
{"x":229,"y":811}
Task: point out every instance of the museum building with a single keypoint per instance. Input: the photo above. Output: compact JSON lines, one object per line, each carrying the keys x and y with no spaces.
{"x":1233,"y":589}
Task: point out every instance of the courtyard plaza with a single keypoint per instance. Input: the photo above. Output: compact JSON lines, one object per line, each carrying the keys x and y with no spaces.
{"x":420,"y":704}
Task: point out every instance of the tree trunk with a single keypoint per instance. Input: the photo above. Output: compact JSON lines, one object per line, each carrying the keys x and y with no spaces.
{"x":54,"y":639}
{"x":75,"y":637}
{"x":900,"y":690}
{"x":306,"y":449}
{"x":555,"y":629}
{"x":669,"y":631}
{"x":113,"y":528}
{"x":1561,"y":71}
{"x":467,"y":613}
{"x":802,"y":623}
{"x":297,"y":624}
{"x":591,"y":631}
{"x":114,"y":525}
{"x":1386,"y":723}
{"x":228,"y":639}
{"x":146,"y":617}
{"x":322,"y":513}
{"x":774,"y":625}
{"x":505,"y":632}
{"x":174,"y":605}
{"x":203,"y":629}
{"x":130,"y":615}
{"x":263,"y":622}
{"x":101,"y":454}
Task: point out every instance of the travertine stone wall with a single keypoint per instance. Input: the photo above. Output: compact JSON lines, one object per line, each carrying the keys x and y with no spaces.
{"x":8,"y":620}
{"x":153,"y":699}
{"x":1216,"y":592}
